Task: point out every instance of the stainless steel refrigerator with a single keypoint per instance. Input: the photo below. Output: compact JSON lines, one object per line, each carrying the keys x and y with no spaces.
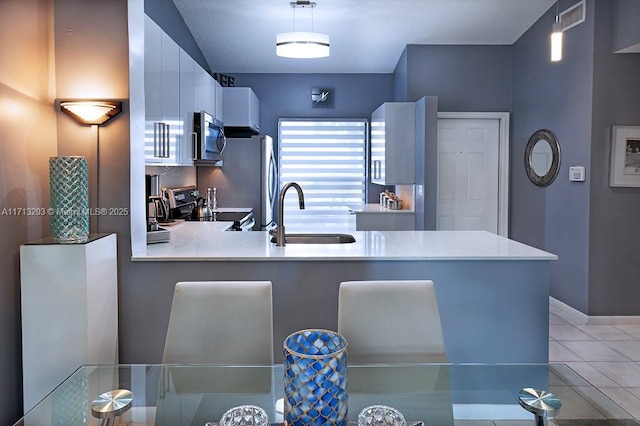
{"x":248,"y":178}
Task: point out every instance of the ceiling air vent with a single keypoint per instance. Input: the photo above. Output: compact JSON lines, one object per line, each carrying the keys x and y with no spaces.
{"x":573,"y":16}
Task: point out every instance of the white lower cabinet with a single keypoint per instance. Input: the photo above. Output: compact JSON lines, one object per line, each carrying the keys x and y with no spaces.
{"x":69,"y":311}
{"x":387,"y":221}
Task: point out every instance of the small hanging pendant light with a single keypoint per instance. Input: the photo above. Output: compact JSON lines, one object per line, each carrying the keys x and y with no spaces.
{"x":556,"y":37}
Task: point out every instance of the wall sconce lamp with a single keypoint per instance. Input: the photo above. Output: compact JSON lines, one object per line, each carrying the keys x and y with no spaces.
{"x":92,"y":111}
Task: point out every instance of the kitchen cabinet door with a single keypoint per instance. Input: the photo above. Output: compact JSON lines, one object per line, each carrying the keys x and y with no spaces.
{"x":187,"y":108}
{"x":204,"y":90}
{"x":393,"y":141}
{"x":387,"y":221}
{"x":152,"y":89}
{"x":163,"y":123}
{"x":241,"y":109}
{"x":218,"y":98}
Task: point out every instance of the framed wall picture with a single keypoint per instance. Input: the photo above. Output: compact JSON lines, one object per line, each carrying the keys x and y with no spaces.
{"x":625,"y":156}
{"x":322,"y":97}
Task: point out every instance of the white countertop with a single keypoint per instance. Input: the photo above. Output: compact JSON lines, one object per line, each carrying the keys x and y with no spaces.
{"x":375,"y":208}
{"x":203,"y":241}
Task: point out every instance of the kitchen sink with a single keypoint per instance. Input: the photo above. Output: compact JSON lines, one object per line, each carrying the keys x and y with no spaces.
{"x":317,"y":239}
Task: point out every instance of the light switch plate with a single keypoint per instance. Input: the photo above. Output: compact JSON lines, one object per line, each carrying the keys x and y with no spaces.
{"x":576,"y":173}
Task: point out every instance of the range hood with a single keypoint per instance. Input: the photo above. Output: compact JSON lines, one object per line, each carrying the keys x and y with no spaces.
{"x":241,"y":112}
{"x":241,"y":131}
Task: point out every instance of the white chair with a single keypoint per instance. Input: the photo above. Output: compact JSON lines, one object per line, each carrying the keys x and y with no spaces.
{"x":391,"y":321}
{"x":396,"y":322}
{"x":220,"y":322}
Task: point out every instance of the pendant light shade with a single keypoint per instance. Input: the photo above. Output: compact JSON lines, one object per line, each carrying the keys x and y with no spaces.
{"x":556,"y":36}
{"x":556,"y":42}
{"x":302,"y":44}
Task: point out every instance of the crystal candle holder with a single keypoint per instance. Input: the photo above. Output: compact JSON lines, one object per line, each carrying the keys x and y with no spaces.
{"x":380,"y":415}
{"x":245,"y":415}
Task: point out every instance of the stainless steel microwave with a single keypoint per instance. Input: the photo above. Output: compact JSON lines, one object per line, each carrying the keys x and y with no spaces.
{"x":209,"y":139}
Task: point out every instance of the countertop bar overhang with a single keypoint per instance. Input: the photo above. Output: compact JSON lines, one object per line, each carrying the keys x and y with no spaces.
{"x":493,"y":293}
{"x":194,"y":242}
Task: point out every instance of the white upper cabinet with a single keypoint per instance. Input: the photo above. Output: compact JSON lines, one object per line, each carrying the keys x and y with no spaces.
{"x":163,"y":123}
{"x":219,"y":103}
{"x":393,"y":141}
{"x":176,"y":86}
{"x":187,"y":107}
{"x":204,"y":91}
{"x":241,"y":112}
{"x":208,"y":93}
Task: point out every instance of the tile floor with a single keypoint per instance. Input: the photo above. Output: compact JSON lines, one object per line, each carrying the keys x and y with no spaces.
{"x":607,"y":356}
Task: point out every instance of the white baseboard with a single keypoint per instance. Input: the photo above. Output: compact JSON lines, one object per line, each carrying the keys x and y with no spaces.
{"x":573,"y":315}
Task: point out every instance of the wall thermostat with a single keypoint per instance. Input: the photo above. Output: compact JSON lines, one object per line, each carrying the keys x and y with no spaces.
{"x":576,"y":173}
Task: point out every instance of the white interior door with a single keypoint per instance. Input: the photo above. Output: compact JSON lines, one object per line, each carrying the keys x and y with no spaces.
{"x":468,"y":174}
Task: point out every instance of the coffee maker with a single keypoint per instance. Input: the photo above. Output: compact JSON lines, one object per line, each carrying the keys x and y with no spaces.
{"x":157,"y":209}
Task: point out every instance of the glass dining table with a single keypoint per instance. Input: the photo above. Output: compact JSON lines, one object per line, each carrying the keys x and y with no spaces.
{"x":434,"y":394}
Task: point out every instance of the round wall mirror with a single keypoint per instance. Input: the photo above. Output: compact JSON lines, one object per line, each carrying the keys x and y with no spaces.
{"x":542,"y":157}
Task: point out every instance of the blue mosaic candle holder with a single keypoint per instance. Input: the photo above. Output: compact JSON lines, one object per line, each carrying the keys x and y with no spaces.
{"x":315,"y":378}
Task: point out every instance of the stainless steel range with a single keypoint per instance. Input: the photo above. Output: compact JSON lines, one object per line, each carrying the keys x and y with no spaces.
{"x":242,"y":220}
{"x":184,"y":200}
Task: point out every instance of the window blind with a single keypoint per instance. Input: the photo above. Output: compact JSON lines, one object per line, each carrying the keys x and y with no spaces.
{"x":327,"y":158}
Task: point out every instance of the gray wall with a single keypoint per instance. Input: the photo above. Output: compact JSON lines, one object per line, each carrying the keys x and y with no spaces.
{"x":37,"y":68}
{"x":627,"y":25}
{"x":26,"y":94}
{"x":590,"y":226}
{"x":614,"y":263}
{"x":555,"y":96}
{"x":165,"y":14}
{"x":289,"y":96}
{"x":464,"y":78}
{"x":400,"y":84}
{"x":456,"y":79}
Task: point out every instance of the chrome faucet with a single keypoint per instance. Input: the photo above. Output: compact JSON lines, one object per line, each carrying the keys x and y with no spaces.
{"x":283,"y":191}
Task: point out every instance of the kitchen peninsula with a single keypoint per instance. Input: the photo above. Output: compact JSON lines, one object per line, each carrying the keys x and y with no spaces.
{"x":493,"y":293}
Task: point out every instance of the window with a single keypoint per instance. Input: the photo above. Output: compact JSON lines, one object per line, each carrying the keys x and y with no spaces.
{"x":327,"y":158}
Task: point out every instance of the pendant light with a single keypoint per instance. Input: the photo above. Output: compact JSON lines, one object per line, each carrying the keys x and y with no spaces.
{"x":299,"y":44}
{"x":556,"y":37}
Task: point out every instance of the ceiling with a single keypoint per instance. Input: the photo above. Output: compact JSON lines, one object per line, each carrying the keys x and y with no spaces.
{"x":367,"y":36}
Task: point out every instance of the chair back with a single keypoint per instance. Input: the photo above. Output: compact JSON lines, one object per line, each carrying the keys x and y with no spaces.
{"x":220,"y":322}
{"x":391,"y":321}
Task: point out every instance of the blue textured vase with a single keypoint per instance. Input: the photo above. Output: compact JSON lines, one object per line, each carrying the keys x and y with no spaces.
{"x":315,"y":378}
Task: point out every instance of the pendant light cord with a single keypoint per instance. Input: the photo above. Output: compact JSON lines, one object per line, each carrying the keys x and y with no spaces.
{"x":294,"y":17}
